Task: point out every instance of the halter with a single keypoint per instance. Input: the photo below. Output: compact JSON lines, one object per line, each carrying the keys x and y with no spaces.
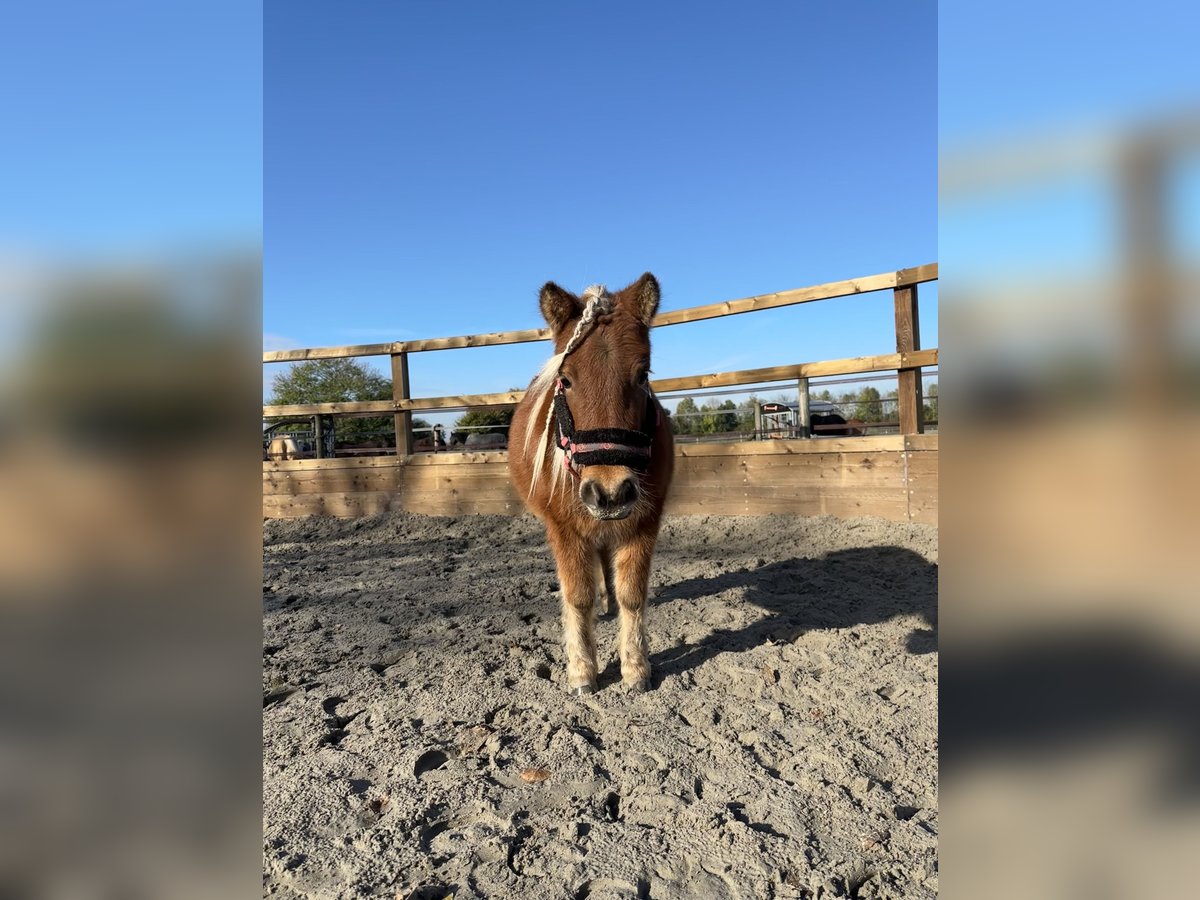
{"x":603,"y":446}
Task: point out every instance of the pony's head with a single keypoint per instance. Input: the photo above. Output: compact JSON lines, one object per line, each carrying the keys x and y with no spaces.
{"x":599,"y":374}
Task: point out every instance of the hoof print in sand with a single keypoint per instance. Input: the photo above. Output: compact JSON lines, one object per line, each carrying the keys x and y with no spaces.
{"x":612,"y":889}
{"x":429,"y":761}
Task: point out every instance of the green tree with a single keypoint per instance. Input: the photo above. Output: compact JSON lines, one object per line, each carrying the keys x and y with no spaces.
{"x":746,"y":414}
{"x":684,"y":419}
{"x":718,"y":419}
{"x":338,"y":381}
{"x":867,"y":407}
{"x":931,"y":403}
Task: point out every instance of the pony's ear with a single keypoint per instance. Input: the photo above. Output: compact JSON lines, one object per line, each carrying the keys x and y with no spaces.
{"x":559,"y":306}
{"x":645,"y":297}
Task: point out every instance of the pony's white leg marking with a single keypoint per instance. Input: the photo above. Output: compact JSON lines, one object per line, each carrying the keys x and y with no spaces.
{"x":576,"y":576}
{"x":579,"y":631}
{"x":632,"y":565}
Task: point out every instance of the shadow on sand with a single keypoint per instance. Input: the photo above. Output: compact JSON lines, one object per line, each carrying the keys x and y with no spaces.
{"x":845,"y":588}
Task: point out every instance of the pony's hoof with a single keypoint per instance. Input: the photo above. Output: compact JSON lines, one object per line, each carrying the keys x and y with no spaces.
{"x":584,"y":689}
{"x":638,"y":687}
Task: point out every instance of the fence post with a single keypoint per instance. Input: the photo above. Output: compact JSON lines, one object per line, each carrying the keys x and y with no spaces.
{"x":758,"y":421}
{"x":804,"y":415}
{"x":319,"y":435}
{"x":400,"y":391}
{"x":908,"y":339}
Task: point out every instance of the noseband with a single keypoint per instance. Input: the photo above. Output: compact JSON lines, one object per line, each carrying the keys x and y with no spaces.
{"x":603,"y":446}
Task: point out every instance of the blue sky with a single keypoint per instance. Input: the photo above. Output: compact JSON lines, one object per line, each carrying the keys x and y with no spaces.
{"x":1066,"y":82}
{"x":1023,"y":77}
{"x":140,"y":127}
{"x":1029,"y":66}
{"x":428,"y":166}
{"x":420,"y":169}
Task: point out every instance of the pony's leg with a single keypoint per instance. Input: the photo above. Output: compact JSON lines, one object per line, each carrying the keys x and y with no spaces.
{"x":632,"y":565}
{"x":576,"y":575}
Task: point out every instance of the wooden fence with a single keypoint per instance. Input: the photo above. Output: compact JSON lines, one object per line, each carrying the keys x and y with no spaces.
{"x":894,"y":476}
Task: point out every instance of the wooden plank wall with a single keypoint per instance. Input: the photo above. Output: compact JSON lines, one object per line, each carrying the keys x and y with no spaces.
{"x":891,"y":476}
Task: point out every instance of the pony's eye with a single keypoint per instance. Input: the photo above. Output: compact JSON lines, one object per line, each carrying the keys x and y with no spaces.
{"x":643,"y":377}
{"x":566,"y":382}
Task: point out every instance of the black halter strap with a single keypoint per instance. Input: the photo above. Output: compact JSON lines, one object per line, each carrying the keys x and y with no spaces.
{"x":604,"y":446}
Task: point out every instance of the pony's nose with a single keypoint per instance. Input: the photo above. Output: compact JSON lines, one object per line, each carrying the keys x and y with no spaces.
{"x":605,"y":505}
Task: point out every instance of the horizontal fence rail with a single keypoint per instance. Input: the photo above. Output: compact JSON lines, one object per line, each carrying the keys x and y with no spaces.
{"x":850,"y":287}
{"x":850,"y":366}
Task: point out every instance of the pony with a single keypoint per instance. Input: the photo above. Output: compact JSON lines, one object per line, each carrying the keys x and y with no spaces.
{"x":435,"y":440}
{"x":591,"y":454}
{"x":476,"y":441}
{"x":827,"y":424}
{"x":282,"y":448}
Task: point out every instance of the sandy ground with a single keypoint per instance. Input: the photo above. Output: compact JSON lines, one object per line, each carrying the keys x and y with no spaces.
{"x":412,"y":672}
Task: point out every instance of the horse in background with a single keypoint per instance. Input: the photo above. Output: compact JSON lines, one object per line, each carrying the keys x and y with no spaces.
{"x":435,"y":440}
{"x":592,"y":455}
{"x":282,"y":449}
{"x":827,"y":424}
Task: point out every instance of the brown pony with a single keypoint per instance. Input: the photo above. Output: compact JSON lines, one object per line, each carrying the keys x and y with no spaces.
{"x":591,"y":454}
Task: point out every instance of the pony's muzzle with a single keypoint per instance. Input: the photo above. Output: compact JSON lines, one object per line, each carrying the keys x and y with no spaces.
{"x":609,"y":501}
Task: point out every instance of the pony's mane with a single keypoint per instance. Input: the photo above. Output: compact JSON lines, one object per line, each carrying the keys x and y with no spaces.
{"x":599,"y":302}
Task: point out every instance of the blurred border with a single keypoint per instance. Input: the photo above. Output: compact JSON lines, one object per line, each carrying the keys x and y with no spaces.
{"x":130,"y":539}
{"x":1069,"y":231}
